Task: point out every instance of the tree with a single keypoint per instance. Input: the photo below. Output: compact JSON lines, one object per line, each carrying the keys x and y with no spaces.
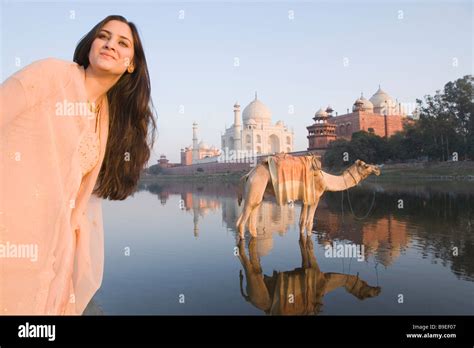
{"x":155,"y":169}
{"x":337,"y":151}
{"x":458,"y":96}
{"x":445,"y":123}
{"x":368,"y":147}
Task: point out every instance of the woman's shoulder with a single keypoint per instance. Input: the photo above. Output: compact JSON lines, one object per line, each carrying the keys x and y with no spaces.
{"x":51,"y":62}
{"x":45,"y":77}
{"x":48,"y":74}
{"x":46,"y":69}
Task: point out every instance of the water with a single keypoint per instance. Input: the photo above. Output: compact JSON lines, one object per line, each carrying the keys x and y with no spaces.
{"x":172,"y":249}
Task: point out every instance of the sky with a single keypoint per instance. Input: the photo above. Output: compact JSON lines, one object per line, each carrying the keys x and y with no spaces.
{"x":203,"y":56}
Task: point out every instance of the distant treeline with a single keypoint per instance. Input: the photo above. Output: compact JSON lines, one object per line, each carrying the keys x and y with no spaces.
{"x":445,"y":129}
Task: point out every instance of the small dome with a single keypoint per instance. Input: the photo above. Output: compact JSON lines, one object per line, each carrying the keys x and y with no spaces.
{"x":321,"y":113}
{"x":258,"y":111}
{"x":363,"y":104}
{"x":280,"y":123}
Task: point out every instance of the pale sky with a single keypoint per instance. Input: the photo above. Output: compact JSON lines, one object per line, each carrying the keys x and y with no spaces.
{"x":301,"y":54}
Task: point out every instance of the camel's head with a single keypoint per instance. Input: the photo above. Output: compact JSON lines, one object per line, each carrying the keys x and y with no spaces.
{"x":362,"y":290}
{"x":365,"y":169}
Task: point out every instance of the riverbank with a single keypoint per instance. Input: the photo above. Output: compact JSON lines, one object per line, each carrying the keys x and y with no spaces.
{"x":444,"y":171}
{"x":460,"y":171}
{"x":218,"y":177}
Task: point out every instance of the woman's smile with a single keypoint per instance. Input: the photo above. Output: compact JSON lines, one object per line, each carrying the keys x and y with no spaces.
{"x":107,"y":56}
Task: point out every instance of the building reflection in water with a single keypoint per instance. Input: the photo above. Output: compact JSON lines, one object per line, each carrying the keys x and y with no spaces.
{"x":431,"y":222}
{"x":199,"y":206}
{"x":201,"y":199}
{"x":384,"y":238}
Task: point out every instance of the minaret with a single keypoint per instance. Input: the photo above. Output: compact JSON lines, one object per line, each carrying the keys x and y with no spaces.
{"x":195,"y":143}
{"x":237,"y":128}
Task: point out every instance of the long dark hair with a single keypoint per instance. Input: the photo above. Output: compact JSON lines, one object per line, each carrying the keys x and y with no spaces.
{"x":132,"y":125}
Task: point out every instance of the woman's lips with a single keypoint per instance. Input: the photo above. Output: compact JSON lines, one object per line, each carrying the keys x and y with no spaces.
{"x":107,"y":56}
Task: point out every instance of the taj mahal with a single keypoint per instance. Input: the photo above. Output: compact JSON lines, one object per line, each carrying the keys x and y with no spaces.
{"x":255,"y":133}
{"x":251,"y":134}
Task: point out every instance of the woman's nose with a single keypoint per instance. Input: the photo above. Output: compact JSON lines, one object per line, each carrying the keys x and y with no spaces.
{"x":109,"y":44}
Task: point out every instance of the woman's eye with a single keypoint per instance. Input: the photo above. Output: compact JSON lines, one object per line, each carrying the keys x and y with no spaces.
{"x":123,"y":44}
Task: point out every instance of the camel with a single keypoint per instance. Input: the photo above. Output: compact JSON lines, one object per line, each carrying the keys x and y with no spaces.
{"x":296,"y":292}
{"x":257,"y":183}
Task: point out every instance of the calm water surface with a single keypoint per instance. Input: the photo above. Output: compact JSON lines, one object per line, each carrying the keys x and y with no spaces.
{"x":172,"y":249}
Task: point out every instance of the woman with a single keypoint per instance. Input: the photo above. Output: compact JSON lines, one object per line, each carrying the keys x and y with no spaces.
{"x":71,"y":133}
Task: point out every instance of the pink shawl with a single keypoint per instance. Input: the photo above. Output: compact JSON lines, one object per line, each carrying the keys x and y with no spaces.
{"x":45,"y":204}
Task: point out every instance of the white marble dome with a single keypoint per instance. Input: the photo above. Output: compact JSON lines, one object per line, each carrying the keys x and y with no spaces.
{"x":257,"y":111}
{"x":379,"y":98}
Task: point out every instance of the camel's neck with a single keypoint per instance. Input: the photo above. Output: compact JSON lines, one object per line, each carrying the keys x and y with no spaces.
{"x":348,"y":179}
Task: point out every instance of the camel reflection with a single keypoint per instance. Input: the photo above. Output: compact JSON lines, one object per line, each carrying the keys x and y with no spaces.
{"x":296,"y":292}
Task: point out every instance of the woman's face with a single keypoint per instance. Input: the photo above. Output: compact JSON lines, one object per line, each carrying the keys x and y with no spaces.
{"x":112,"y":49}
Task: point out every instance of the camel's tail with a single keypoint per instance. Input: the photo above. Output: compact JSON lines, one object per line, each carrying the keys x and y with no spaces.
{"x":241,"y":188}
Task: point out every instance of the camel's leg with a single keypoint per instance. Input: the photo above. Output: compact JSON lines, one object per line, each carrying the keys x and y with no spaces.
{"x":242,"y":256}
{"x":310,"y":218}
{"x":239,"y":219}
{"x":303,"y":218}
{"x":307,"y":217}
{"x":257,"y":184}
{"x":313,"y":263}
{"x":242,"y":220}
{"x":308,"y":259}
{"x":249,"y":209}
{"x":304,"y":256}
{"x":253,"y":222}
{"x":253,"y":255}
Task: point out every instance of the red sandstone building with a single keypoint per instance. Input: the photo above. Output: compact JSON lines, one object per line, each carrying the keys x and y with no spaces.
{"x":163,"y":162}
{"x":380,"y":115}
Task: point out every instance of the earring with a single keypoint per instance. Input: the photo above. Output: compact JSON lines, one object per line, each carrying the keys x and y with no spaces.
{"x":130,"y":69}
